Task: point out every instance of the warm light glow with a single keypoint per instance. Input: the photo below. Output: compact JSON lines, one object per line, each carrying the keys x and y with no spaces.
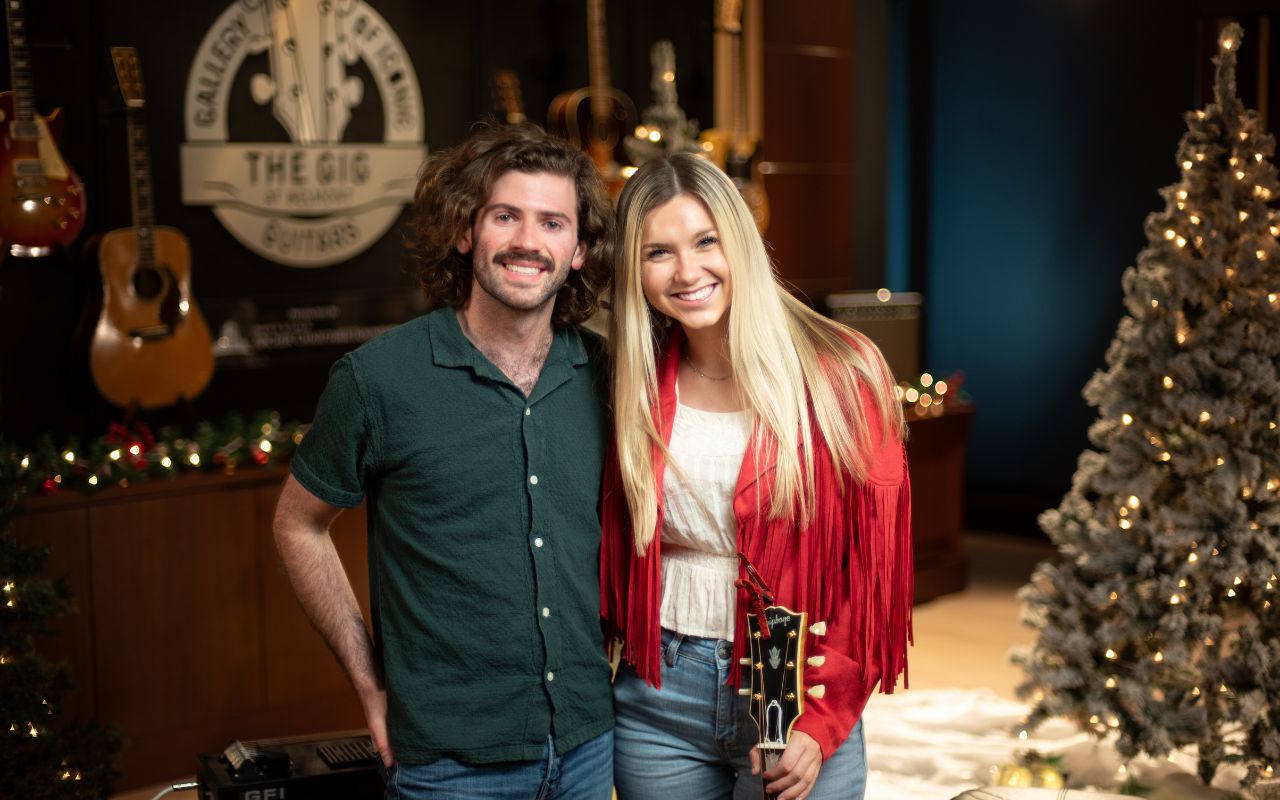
{"x":1158,"y":657}
{"x":655,"y":136}
{"x":1246,"y":492}
{"x":1244,"y":215}
{"x":1195,"y":220}
{"x":1182,"y":583}
{"x":1231,"y":593}
{"x":1233,"y":161}
{"x":1126,"y":524}
{"x":166,"y":462}
{"x":1191,"y":559}
{"x":1113,"y":722}
{"x":69,"y":457}
{"x":1199,"y":156}
{"x":1227,"y":44}
{"x":1186,"y":165}
{"x":1222,"y":689}
{"x":1169,"y":234}
{"x":940,"y":387}
{"x":93,"y":480}
{"x":1182,"y":194}
{"x":628,"y":171}
{"x":1205,"y":416}
{"x":135,"y":449}
{"x":1165,"y":456}
{"x":912,"y":395}
{"x":1127,"y":419}
{"x":1111,"y":682}
{"x":1181,"y":241}
{"x":1219,"y":461}
{"x":1195,"y":692}
{"x":1239,"y":175}
{"x":1238,"y":580}
{"x":264,"y":446}
{"x":926,"y":380}
{"x":642,"y":132}
{"x":1230,"y":272}
{"x":194,"y":459}
{"x":1174,"y":600}
{"x":1114,"y":596}
{"x":25,"y":462}
{"x":668,"y":76}
{"x":1167,"y":382}
{"x":114,"y":455}
{"x":1133,"y":501}
{"x":1112,"y":654}
{"x":883,"y":295}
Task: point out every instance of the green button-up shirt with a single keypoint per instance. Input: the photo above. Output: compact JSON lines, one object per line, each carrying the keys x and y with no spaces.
{"x":484,"y":536}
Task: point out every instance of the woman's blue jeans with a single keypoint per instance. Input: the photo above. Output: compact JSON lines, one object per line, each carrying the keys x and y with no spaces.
{"x":693,"y":738}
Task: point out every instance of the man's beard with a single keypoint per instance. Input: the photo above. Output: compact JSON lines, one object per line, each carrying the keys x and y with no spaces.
{"x":490,"y":275}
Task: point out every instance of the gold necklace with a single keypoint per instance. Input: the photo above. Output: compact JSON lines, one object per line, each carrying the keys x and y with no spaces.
{"x":694,"y":367}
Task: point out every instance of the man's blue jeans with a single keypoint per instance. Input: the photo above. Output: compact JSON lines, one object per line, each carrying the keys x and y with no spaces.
{"x":693,"y":738}
{"x":583,"y":773}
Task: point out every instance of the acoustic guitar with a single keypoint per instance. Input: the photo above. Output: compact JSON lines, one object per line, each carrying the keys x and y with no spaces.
{"x":596,"y":118}
{"x":42,"y":201}
{"x":151,"y":347}
{"x":734,"y":149}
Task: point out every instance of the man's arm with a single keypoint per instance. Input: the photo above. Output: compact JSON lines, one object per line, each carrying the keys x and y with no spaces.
{"x":302,"y":538}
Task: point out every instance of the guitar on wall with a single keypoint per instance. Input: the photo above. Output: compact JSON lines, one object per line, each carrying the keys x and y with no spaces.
{"x":506,"y":94}
{"x":776,"y":676}
{"x":151,"y":347}
{"x":596,"y":118}
{"x":42,"y":202}
{"x":735,"y":150}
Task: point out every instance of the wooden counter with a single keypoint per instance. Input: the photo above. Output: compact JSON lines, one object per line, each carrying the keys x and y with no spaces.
{"x":187,"y":634}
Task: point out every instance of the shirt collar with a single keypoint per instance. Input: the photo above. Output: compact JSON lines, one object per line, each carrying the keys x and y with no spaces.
{"x":450,"y":347}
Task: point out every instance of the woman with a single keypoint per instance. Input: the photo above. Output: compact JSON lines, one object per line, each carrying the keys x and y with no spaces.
{"x":749,"y":430}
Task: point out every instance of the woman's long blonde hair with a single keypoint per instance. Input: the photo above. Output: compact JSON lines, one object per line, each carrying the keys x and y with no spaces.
{"x":797,"y":370}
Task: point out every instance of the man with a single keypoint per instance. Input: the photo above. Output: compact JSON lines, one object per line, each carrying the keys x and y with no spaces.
{"x":475,"y":434}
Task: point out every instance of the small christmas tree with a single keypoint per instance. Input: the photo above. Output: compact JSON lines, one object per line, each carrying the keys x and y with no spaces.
{"x":38,"y":757}
{"x":1159,"y":626}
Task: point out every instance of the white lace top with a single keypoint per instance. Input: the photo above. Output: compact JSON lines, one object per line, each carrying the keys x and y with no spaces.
{"x":699,"y":533}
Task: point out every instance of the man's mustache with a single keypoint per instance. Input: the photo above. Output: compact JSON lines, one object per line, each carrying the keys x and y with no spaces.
{"x":524,"y":255}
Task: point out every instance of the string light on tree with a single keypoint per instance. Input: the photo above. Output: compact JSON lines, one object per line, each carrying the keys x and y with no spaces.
{"x":1197,"y":359}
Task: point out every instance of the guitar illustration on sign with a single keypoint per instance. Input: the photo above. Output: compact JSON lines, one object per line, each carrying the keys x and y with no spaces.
{"x":308,"y":88}
{"x":151,"y":347}
{"x":42,"y":201}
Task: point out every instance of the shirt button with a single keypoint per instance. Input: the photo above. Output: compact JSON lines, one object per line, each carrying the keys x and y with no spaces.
{"x":537,"y":542}
{"x":546,"y":612}
{"x":533,"y":479}
{"x":551,"y":676}
{"x":528,"y":411}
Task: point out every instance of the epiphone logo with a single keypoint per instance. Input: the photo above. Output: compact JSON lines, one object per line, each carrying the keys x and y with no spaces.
{"x":780,"y":619}
{"x":317,"y":201}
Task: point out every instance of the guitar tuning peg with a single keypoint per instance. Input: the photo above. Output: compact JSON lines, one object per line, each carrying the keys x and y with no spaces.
{"x":816,"y":661}
{"x":817,"y":691}
{"x":818,"y":629}
{"x":745,"y":661}
{"x":745,"y":691}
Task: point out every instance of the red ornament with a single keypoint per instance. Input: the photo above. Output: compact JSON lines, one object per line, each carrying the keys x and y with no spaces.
{"x":259,"y":457}
{"x":49,"y":486}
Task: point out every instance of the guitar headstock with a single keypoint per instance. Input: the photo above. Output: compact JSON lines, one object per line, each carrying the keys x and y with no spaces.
{"x":729,"y":16}
{"x":776,"y":674}
{"x":506,"y":89}
{"x":128,"y":75}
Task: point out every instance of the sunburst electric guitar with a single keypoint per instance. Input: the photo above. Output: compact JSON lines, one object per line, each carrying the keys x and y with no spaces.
{"x":151,"y":347}
{"x":41,"y":200}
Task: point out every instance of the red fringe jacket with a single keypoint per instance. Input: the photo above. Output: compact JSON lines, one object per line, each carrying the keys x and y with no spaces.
{"x":852,"y":568}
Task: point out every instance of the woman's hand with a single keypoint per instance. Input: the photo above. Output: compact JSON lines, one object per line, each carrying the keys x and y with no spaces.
{"x":797,"y":770}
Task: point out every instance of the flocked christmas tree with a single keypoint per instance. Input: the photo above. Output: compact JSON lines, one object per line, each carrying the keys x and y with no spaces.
{"x":1160,"y":624}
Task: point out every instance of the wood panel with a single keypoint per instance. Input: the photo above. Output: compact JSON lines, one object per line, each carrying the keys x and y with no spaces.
{"x":809,"y":234}
{"x":66,"y":534}
{"x":178,"y":620}
{"x":935,"y":451}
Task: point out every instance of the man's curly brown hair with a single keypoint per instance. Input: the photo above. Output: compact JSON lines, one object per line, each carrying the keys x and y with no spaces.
{"x":456,"y":183}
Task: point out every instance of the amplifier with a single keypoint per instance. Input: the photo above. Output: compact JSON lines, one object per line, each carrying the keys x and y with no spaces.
{"x":891,"y":320}
{"x":301,"y":768}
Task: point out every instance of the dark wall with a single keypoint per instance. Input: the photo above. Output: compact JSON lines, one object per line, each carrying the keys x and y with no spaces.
{"x":48,"y":306}
{"x":1045,"y":131}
